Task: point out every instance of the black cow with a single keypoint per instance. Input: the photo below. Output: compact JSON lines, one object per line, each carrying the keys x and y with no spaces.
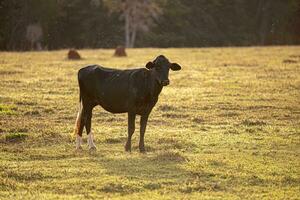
{"x":132,"y":91}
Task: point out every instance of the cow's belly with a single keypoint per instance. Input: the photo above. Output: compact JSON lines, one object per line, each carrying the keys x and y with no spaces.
{"x":113,"y":100}
{"x":114,"y":108}
{"x":126,"y":103}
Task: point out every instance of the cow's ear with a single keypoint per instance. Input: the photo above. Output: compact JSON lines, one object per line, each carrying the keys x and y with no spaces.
{"x":175,"y":67}
{"x":149,"y":65}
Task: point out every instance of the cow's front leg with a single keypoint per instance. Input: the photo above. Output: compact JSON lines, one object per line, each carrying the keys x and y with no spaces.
{"x":143,"y":124}
{"x":131,"y":128}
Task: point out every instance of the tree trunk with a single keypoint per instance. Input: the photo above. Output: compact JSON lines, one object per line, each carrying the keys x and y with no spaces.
{"x":133,"y":36}
{"x":263,"y":20}
{"x":127,"y":28}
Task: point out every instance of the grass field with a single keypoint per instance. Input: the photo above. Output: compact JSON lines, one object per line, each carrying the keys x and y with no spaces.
{"x":227,"y":127}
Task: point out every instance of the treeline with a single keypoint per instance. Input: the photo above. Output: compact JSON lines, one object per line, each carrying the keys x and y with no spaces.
{"x":55,"y":24}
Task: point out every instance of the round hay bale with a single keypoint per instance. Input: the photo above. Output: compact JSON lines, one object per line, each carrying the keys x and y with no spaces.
{"x":73,"y":55}
{"x":120,"y":51}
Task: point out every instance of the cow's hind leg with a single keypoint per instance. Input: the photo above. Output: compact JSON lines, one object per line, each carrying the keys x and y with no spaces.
{"x":88,"y":124}
{"x":131,"y":127}
{"x":79,"y":127}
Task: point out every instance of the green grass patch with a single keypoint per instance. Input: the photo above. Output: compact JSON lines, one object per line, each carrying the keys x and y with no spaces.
{"x":15,"y":137}
{"x":7,"y":109}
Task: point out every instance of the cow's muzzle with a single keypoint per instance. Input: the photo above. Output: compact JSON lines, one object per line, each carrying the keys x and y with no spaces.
{"x":165,"y":82}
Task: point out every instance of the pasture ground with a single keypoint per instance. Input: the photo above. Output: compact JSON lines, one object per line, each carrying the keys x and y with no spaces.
{"x":227,"y":127}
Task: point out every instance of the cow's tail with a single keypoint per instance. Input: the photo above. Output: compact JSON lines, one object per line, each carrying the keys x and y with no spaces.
{"x":79,"y":114}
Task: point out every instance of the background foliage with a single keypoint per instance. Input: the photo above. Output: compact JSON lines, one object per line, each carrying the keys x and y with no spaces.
{"x":193,"y":23}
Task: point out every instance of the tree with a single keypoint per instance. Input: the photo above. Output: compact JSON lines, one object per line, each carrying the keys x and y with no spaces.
{"x":34,"y":34}
{"x":138,"y":15}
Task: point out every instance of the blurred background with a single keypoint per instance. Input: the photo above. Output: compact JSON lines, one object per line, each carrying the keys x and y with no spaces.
{"x":57,"y":24}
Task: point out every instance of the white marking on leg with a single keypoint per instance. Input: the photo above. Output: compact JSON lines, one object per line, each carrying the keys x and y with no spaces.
{"x":90,"y":141}
{"x":78,"y":142}
{"x":78,"y":119}
{"x":77,"y":126}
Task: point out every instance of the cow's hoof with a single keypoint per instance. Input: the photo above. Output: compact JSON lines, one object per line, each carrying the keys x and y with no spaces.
{"x":142,"y":150}
{"x":79,"y":149}
{"x":127,"y":149}
{"x":92,"y":149}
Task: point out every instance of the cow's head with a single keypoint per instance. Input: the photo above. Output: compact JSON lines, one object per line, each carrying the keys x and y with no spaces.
{"x":161,"y":67}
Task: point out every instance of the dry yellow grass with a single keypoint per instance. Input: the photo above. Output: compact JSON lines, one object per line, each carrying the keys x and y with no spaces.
{"x":227,"y":127}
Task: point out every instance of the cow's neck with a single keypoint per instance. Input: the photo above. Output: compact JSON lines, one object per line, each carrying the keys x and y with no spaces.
{"x":155,"y":87}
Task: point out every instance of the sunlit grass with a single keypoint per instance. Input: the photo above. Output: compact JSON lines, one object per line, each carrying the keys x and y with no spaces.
{"x":227,"y":127}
